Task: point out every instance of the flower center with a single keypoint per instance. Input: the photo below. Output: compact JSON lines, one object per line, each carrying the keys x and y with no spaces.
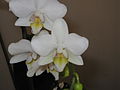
{"x":60,"y":56}
{"x":60,"y":59}
{"x":36,"y":24}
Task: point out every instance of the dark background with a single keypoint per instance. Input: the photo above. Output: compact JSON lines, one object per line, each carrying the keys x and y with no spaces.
{"x":99,"y":21}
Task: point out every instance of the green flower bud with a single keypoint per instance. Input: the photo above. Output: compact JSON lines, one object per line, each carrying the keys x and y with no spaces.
{"x":77,"y":86}
{"x":66,"y":71}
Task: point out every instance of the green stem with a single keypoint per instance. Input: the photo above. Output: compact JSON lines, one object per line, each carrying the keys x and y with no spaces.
{"x":77,"y":77}
{"x":72,"y":68}
{"x":73,"y":81}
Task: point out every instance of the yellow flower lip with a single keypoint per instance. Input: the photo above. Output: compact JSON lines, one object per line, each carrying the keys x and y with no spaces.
{"x":60,"y":56}
{"x":37,"y":20}
{"x":36,"y":24}
{"x":60,"y":61}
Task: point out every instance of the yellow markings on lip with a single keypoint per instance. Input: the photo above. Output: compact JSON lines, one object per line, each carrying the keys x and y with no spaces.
{"x":37,"y":23}
{"x":60,"y":59}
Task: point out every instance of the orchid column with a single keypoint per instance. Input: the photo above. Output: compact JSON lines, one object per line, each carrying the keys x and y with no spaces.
{"x":52,"y":48}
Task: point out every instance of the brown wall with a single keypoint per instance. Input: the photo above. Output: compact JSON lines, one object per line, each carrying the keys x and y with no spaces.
{"x":5,"y":78}
{"x":99,"y":21}
{"x":9,"y":34}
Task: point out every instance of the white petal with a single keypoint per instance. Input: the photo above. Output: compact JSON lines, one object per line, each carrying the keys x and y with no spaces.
{"x":22,"y":8}
{"x":43,"y":45}
{"x":29,"y":59}
{"x":32,"y":64}
{"x":75,"y":59}
{"x":35,"y":29}
{"x":55,"y":74}
{"x":39,"y":14}
{"x":35,"y":64}
{"x":54,"y":9}
{"x":41,"y":69}
{"x":43,"y":32}
{"x":47,"y":59}
{"x":21,"y":46}
{"x":65,"y":53}
{"x":39,"y":72}
{"x":48,"y":24}
{"x":60,"y":31}
{"x":19,"y":58}
{"x":34,"y":55}
{"x":31,"y":72}
{"x":76,"y":44}
{"x":33,"y":69}
{"x":28,"y":65}
{"x":23,"y":21}
{"x":40,"y":3}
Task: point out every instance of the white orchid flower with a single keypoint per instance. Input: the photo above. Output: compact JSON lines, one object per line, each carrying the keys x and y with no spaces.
{"x":21,"y":51}
{"x":34,"y":68}
{"x":60,"y":47}
{"x":37,"y":13}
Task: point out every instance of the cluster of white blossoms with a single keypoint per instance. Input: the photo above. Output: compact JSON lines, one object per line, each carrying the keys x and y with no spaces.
{"x":52,"y":50}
